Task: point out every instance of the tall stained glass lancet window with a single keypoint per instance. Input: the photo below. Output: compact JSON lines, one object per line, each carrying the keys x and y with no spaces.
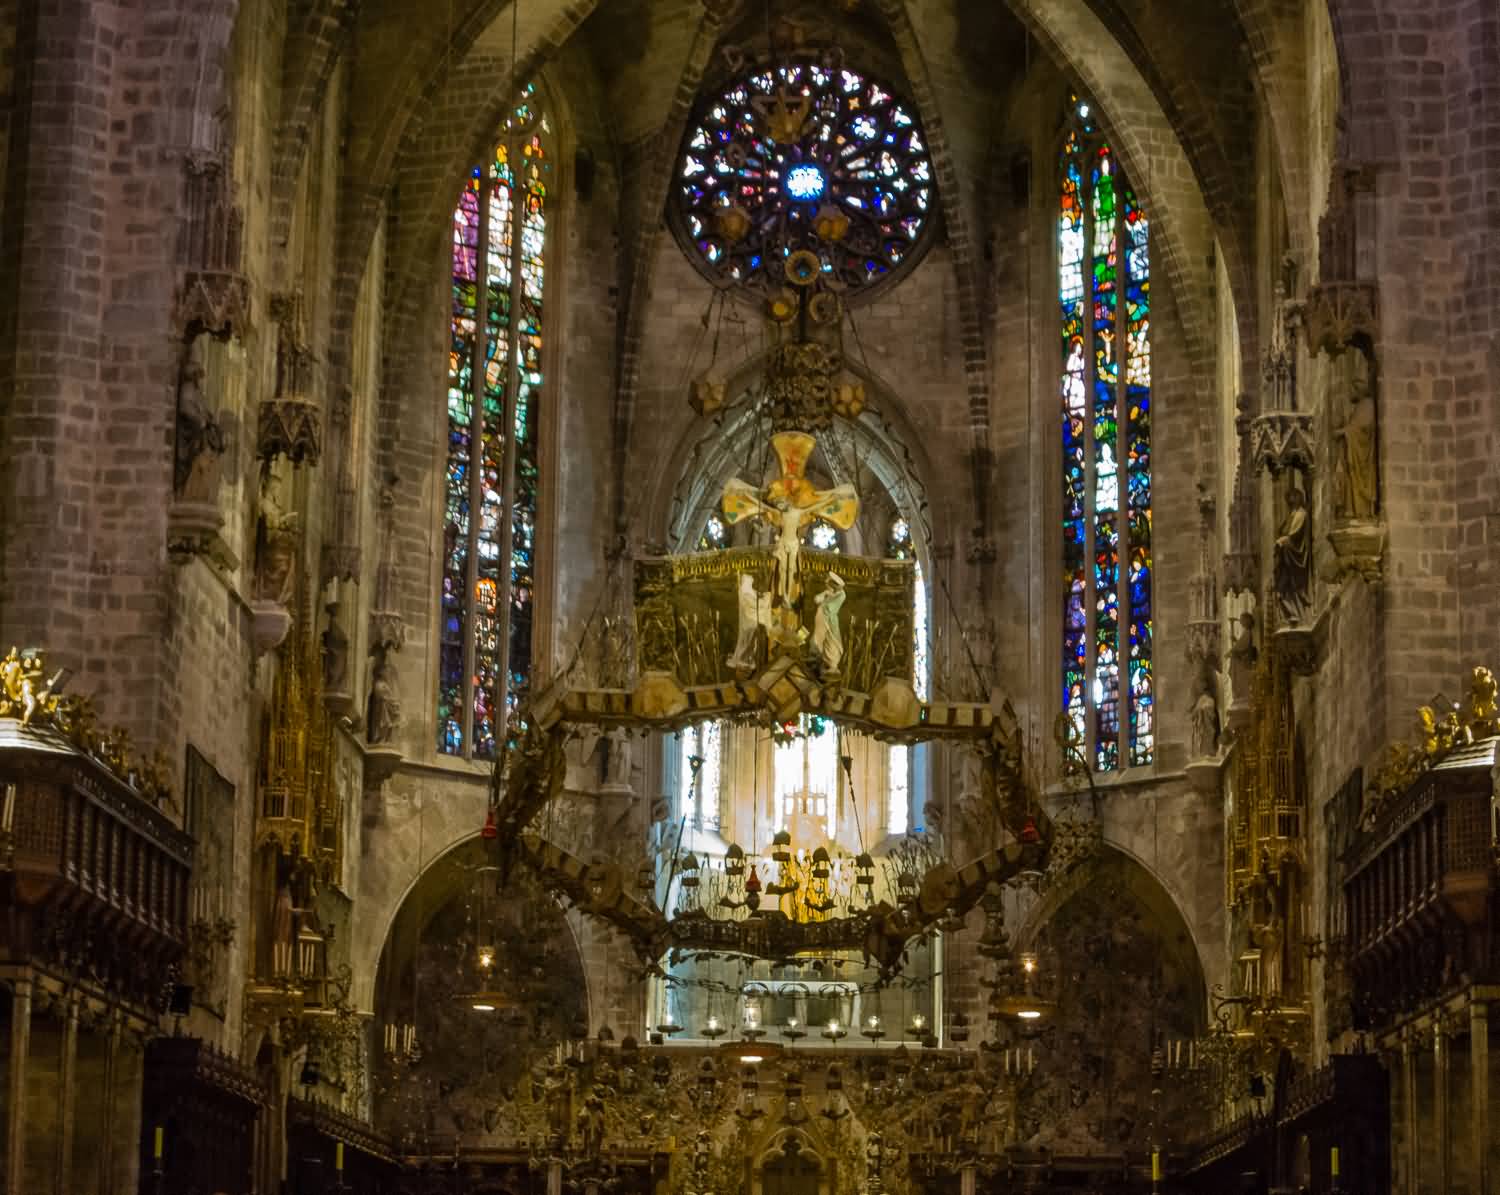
{"x":1104,"y":289}
{"x":499,"y":264}
{"x":898,"y":785}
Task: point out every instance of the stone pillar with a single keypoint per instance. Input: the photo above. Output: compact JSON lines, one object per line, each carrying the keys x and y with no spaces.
{"x":1440,"y":1104}
{"x":1479,"y":1079}
{"x":67,"y":1081}
{"x":15,"y":1128}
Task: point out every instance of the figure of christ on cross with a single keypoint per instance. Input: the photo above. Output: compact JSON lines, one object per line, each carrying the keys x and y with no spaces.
{"x":790,"y":503}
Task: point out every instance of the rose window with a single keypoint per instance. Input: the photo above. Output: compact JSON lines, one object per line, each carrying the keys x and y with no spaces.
{"x":804,"y":157}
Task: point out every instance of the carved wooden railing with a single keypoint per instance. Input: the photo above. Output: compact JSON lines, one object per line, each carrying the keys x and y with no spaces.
{"x":95,"y":878}
{"x":1420,"y":894}
{"x":207,"y":1103}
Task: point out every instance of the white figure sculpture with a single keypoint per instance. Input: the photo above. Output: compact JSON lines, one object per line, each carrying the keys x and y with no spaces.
{"x":827,"y":639}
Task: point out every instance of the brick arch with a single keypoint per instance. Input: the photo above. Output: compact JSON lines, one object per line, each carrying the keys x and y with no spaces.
{"x":371,"y":180}
{"x":1155,"y":156}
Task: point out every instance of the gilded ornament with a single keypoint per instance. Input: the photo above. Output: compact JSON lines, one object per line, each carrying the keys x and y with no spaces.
{"x":849,"y":400}
{"x":787,"y":117}
{"x":24,"y":691}
{"x":831,"y":223}
{"x":1484,"y":713}
{"x":803,"y":267}
{"x":707,"y":395}
{"x":732,"y":223}
{"x":782,"y":306}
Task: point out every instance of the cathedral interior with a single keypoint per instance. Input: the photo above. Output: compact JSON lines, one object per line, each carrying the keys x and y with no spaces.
{"x":749,"y":597}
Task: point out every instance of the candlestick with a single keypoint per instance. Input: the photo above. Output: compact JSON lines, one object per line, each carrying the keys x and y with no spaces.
{"x":1156,"y":1165}
{"x":157,"y":1143}
{"x":338,"y":1157}
{"x":1333,"y":1161}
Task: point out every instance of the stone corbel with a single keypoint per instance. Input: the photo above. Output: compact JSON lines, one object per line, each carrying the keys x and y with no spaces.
{"x":1302,"y":645}
{"x":1358,"y":550}
{"x":1282,"y":440}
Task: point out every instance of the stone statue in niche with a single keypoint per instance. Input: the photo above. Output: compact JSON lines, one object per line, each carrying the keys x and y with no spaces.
{"x":1355,"y":465}
{"x":277,"y":538}
{"x":617,"y":762}
{"x":335,"y":651}
{"x":200,"y":439}
{"x":1293,"y":558}
{"x":382,"y":709}
{"x":1205,"y":721}
{"x":1242,"y":657}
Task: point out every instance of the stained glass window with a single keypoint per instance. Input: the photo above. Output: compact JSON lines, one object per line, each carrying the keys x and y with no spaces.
{"x":804,"y":157}
{"x":484,"y":652}
{"x":899,"y":545}
{"x":701,"y":769}
{"x":715,"y":535}
{"x":824,"y":536}
{"x":1104,"y":291}
{"x":806,"y":767}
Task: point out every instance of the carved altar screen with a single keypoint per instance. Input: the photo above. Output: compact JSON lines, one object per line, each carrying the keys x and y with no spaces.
{"x":1104,"y":292}
{"x":478,"y":641}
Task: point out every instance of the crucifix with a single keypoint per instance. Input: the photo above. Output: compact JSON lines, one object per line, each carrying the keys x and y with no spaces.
{"x":790,"y":503}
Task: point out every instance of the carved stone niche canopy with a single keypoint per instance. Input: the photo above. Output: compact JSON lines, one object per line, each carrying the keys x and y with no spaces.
{"x":214,"y":296}
{"x":1342,"y":309}
{"x":1283,"y":440}
{"x":290,"y":423}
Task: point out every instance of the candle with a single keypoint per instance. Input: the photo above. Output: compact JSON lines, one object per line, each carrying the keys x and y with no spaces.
{"x":1156,"y":1166}
{"x":156,"y":1144}
{"x":338,"y":1157}
{"x":1333,"y":1161}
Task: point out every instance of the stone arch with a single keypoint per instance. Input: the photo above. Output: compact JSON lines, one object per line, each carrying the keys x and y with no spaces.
{"x":881,"y":441}
{"x":1156,"y":158}
{"x":1155,"y":893}
{"x":438,"y":881}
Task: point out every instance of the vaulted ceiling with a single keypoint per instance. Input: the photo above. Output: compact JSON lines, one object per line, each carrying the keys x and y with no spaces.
{"x":1181,"y":83}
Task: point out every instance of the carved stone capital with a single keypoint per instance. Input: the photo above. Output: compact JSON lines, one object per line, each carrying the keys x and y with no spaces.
{"x":1341,"y":313}
{"x":1283,"y":440}
{"x":1301,"y":646}
{"x":981,"y":550}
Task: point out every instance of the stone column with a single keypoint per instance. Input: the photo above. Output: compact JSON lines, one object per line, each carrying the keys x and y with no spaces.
{"x":15,"y":1129}
{"x":67,"y":1081}
{"x":1440,"y":1103}
{"x":1409,"y":1111}
{"x":111,"y":1069}
{"x":1479,"y":1078}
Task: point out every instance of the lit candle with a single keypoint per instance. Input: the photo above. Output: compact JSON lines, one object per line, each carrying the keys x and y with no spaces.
{"x":338,"y":1157}
{"x":156,"y":1143}
{"x":1333,"y":1161}
{"x":1156,"y":1166}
